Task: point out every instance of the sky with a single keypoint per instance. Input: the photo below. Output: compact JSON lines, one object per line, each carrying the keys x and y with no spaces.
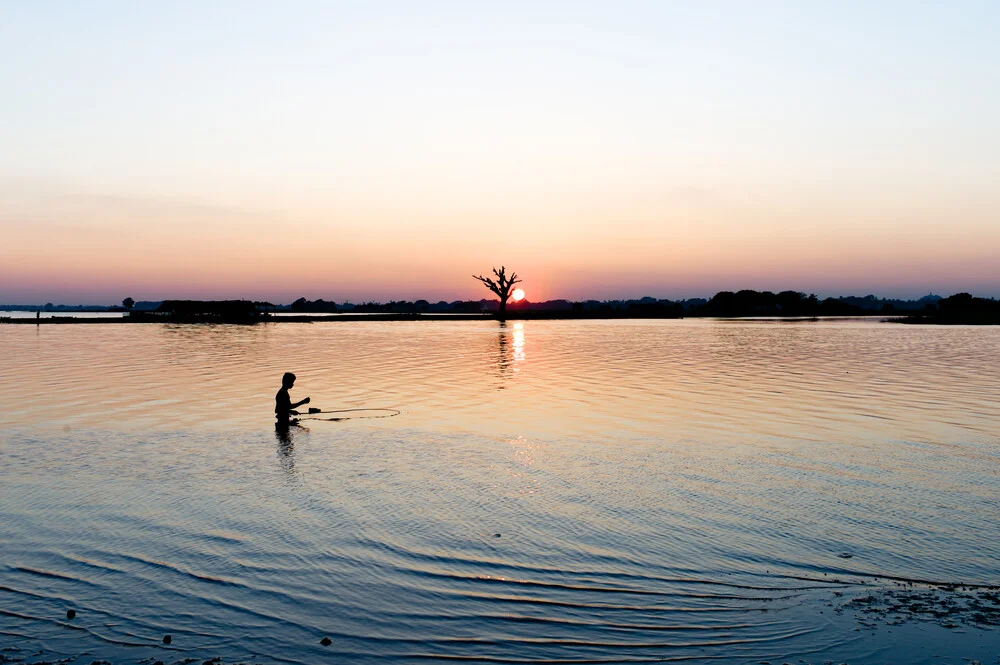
{"x":389,"y":150}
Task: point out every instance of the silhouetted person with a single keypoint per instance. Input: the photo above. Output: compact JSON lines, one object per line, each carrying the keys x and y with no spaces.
{"x":283,"y":407}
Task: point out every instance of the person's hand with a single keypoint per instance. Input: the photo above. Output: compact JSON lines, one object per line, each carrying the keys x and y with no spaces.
{"x":294,"y":412}
{"x":305,"y":401}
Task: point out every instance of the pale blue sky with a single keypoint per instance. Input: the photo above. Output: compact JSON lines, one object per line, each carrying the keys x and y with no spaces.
{"x":626,"y":148}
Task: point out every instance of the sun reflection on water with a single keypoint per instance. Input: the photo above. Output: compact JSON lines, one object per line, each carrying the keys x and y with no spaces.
{"x":518,"y":343}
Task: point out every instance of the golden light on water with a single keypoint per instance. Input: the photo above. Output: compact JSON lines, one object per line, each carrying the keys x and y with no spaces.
{"x":518,"y":343}
{"x":517,"y":295}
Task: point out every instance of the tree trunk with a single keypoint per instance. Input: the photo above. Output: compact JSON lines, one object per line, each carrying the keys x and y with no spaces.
{"x":502,"y":312}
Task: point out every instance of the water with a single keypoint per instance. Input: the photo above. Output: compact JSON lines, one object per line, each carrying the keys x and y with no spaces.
{"x":553,"y":491}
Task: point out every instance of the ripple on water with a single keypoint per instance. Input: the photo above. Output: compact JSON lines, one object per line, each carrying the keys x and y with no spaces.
{"x":551,"y":492}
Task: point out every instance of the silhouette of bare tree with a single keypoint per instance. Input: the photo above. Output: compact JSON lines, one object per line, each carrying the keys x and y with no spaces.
{"x":501,"y":287}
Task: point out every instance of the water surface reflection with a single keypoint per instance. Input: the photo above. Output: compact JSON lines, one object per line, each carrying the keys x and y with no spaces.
{"x":509,"y":352}
{"x":638,"y":490}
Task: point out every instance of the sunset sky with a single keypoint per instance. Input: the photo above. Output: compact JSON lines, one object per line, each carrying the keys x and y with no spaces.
{"x":388,"y":150}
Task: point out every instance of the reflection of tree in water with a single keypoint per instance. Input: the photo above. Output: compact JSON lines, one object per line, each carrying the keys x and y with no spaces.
{"x":509,"y":352}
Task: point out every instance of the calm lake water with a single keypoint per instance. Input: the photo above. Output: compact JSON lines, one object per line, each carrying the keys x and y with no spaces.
{"x":564,"y":491}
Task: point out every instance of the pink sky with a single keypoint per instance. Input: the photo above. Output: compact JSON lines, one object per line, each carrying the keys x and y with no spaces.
{"x":601,"y":151}
{"x":98,"y":249}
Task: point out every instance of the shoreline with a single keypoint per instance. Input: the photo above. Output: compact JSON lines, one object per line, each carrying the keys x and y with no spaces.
{"x":306,"y":318}
{"x":520,"y":316}
{"x":399,"y":316}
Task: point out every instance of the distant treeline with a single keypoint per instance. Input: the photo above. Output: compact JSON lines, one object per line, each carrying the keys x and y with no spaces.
{"x":725,"y":303}
{"x":201,"y":311}
{"x":796,"y":304}
{"x":959,"y":308}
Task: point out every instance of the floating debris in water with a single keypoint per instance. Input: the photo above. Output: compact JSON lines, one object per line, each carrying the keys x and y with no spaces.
{"x":846,"y":555}
{"x":496,"y":535}
{"x":326,"y":641}
{"x":167,"y":639}
{"x":70,"y":614}
{"x":944,"y":605}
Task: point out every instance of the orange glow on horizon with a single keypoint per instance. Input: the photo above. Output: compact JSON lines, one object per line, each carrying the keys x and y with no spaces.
{"x":73,"y":248}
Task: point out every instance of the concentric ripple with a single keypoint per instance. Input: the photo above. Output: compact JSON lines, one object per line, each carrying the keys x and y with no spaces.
{"x":550,"y":492}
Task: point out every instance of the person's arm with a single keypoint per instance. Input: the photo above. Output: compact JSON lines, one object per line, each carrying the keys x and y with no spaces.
{"x":298,"y":404}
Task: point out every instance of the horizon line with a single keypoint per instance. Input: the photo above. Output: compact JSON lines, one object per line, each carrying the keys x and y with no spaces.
{"x":349,"y":301}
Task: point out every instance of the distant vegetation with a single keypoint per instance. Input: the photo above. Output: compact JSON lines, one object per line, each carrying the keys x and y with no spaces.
{"x":313,"y":306}
{"x":959,"y":308}
{"x":204,"y":311}
{"x":744,"y":303}
{"x":796,"y":304}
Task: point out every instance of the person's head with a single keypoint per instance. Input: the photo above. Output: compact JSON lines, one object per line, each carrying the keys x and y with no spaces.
{"x":288,"y":380}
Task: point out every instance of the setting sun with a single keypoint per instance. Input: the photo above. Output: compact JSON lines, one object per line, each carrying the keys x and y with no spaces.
{"x":517,"y":295}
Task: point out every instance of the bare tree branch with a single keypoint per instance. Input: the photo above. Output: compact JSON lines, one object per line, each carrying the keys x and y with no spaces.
{"x":501,"y":287}
{"x":490,"y":284}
